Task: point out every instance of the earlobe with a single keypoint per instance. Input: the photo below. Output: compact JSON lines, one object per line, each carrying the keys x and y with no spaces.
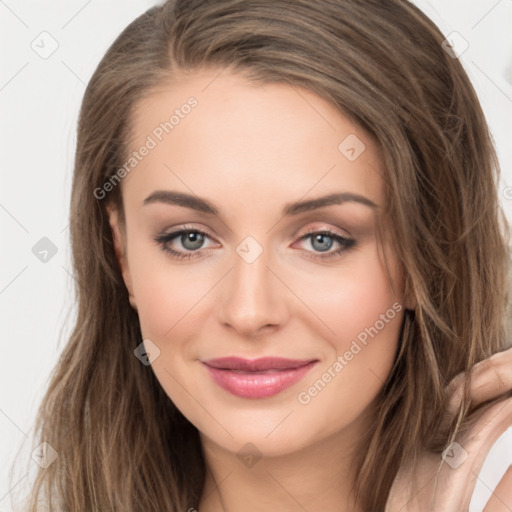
{"x":409,"y":298}
{"x":116,"y":235}
{"x":410,"y":302}
{"x":120,"y":251}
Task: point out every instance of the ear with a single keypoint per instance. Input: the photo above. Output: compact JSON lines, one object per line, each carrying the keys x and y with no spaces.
{"x":410,"y":300}
{"x":119,"y":239}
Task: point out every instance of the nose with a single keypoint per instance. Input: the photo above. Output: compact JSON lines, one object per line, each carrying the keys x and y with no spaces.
{"x":252,"y":299}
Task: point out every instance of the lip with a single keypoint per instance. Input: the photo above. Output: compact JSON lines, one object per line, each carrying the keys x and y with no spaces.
{"x":257,"y":378}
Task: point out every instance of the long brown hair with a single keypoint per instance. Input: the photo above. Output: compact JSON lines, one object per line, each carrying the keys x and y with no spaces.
{"x":121,"y":442}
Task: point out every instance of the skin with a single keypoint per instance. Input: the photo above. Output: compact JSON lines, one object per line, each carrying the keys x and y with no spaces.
{"x":250,"y":150}
{"x":449,"y":487}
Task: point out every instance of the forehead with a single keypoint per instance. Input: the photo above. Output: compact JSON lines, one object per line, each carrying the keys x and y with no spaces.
{"x":218,"y":134}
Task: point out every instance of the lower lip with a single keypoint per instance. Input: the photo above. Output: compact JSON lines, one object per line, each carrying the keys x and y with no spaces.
{"x":258,"y":385}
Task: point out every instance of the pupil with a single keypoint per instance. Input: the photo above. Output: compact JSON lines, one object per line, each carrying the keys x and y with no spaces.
{"x":323,"y":247}
{"x":194,"y":238}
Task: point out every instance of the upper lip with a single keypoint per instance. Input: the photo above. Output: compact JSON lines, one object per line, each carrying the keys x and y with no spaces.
{"x":254,"y":365}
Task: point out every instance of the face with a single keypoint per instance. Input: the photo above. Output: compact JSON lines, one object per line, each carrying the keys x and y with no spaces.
{"x":265,"y":269}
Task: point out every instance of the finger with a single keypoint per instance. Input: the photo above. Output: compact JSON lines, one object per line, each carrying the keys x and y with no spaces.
{"x":462,"y":460}
{"x":504,"y":356}
{"x":477,"y":444}
{"x":451,"y":488}
{"x":501,"y":498}
{"x":492,"y":377}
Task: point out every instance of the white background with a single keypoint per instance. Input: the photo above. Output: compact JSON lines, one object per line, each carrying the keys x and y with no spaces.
{"x":39,"y":101}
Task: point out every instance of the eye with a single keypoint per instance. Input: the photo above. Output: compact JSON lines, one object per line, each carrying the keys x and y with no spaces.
{"x":324,"y":240}
{"x":192,"y":241}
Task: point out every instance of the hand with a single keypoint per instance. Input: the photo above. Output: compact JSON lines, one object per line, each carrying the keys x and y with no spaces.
{"x":414,"y":489}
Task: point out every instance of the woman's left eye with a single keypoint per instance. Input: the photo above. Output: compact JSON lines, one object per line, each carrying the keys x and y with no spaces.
{"x":325,"y":239}
{"x":192,"y":241}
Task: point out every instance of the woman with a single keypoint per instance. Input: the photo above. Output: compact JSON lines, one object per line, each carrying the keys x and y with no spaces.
{"x":292,"y":269}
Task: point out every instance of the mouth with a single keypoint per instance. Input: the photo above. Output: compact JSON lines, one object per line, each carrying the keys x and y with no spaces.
{"x":258,"y":378}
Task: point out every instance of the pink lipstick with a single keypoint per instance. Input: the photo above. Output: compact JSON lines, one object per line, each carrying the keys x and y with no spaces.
{"x":257,"y":378}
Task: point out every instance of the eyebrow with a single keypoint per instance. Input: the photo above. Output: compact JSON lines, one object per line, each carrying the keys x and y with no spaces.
{"x":201,"y":205}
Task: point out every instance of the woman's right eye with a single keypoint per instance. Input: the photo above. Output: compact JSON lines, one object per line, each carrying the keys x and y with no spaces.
{"x":191,"y":240}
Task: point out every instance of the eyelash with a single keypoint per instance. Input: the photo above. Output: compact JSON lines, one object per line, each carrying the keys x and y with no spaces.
{"x":164,"y":239}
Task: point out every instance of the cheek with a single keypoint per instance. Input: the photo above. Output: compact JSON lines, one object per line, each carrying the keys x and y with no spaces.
{"x":167,"y":293}
{"x":364,"y":317}
{"x":166,"y":298}
{"x":350,"y":300}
